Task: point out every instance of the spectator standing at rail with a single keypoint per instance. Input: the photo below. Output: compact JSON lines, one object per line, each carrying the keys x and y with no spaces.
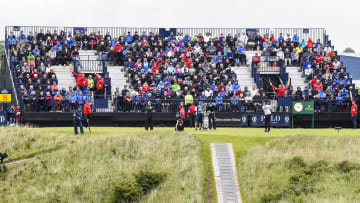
{"x":354,"y":112}
{"x":280,"y":91}
{"x":189,"y":99}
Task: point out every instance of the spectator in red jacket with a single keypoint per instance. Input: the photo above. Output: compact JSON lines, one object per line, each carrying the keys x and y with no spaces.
{"x":18,"y":114}
{"x":314,"y":81}
{"x":256,"y":59}
{"x":280,"y":91}
{"x":146,"y":87}
{"x":318,"y":86}
{"x":182,"y":110}
{"x":191,"y":114}
{"x":81,"y":81}
{"x":310,"y":43}
{"x":99,"y":84}
{"x":319,"y":58}
{"x":117,"y":47}
{"x":354,"y":112}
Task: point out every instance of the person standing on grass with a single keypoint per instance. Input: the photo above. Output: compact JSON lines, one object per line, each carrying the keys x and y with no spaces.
{"x":267,"y":111}
{"x":211,"y":111}
{"x":77,"y":116}
{"x":191,"y":114}
{"x":199,"y":110}
{"x":354,"y":112}
{"x":148,"y":117}
{"x":88,"y":112}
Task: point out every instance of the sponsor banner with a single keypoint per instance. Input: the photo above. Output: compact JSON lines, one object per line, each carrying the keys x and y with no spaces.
{"x":303,"y":107}
{"x":79,"y":29}
{"x":5,"y":95}
{"x":231,"y":119}
{"x":277,"y":120}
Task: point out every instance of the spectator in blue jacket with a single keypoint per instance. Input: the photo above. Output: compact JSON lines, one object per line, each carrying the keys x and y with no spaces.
{"x":306,"y":64}
{"x":280,"y":37}
{"x":306,"y":92}
{"x":128,"y":38}
{"x":12,"y":40}
{"x":21,"y":35}
{"x":186,"y":37}
{"x":344,"y":92}
{"x":235,"y":86}
{"x":219,"y":101}
{"x":213,"y":86}
{"x":143,"y":36}
{"x":80,"y":99}
{"x":295,"y":38}
{"x":72,"y":101}
{"x":89,"y":98}
{"x":218,"y":58}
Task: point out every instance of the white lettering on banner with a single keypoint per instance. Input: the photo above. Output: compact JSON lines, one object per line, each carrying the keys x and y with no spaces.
{"x":287,"y":119}
{"x":243,"y":118}
{"x":227,"y":119}
{"x":275,"y":118}
{"x":2,"y":119}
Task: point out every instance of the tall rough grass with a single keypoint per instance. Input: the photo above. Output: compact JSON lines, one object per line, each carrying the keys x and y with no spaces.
{"x":302,"y":169}
{"x":85,"y":168}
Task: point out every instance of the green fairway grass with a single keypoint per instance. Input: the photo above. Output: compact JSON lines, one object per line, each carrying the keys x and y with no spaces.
{"x":175,"y":154}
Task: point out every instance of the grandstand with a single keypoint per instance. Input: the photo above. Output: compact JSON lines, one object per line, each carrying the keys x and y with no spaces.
{"x":229,"y":67}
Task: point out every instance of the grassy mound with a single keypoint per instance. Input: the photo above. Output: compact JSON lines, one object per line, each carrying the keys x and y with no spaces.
{"x":116,"y":167}
{"x":302,"y":168}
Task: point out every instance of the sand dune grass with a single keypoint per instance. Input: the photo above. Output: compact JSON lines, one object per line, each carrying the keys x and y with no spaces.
{"x":86,"y":169}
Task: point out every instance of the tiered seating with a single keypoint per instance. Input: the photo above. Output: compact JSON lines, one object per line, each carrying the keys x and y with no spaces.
{"x":169,"y":70}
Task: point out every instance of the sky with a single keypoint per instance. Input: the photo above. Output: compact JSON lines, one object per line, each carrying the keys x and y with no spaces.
{"x":339,"y":18}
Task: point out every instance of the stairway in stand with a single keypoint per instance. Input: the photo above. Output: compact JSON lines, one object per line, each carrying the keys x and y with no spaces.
{"x":64,"y":76}
{"x":295,"y":76}
{"x":118,"y":78}
{"x":243,"y":74}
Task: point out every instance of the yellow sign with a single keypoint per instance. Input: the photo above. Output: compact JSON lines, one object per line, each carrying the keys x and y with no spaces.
{"x":5,"y":97}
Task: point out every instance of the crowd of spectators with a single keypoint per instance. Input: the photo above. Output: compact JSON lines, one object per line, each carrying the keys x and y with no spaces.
{"x":328,"y":83}
{"x":170,"y":69}
{"x":32,"y":58}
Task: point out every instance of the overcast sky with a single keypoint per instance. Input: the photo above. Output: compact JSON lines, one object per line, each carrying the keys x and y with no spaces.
{"x":339,"y":18}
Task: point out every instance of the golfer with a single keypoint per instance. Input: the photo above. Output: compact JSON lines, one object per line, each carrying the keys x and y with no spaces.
{"x":267,"y":111}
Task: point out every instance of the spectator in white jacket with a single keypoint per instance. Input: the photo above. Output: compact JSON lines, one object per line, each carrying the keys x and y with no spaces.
{"x":243,"y":38}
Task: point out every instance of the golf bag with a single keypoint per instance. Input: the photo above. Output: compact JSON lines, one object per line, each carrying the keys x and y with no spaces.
{"x":205,"y":121}
{"x":179,"y":122}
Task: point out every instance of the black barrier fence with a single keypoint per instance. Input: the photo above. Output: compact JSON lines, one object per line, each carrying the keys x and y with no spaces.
{"x":281,"y":104}
{"x":236,"y":119}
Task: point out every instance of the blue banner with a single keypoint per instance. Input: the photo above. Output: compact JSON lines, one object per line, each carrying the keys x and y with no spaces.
{"x":277,"y":120}
{"x":3,"y":118}
{"x":16,"y":28}
{"x":79,"y":29}
{"x":254,"y":30}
